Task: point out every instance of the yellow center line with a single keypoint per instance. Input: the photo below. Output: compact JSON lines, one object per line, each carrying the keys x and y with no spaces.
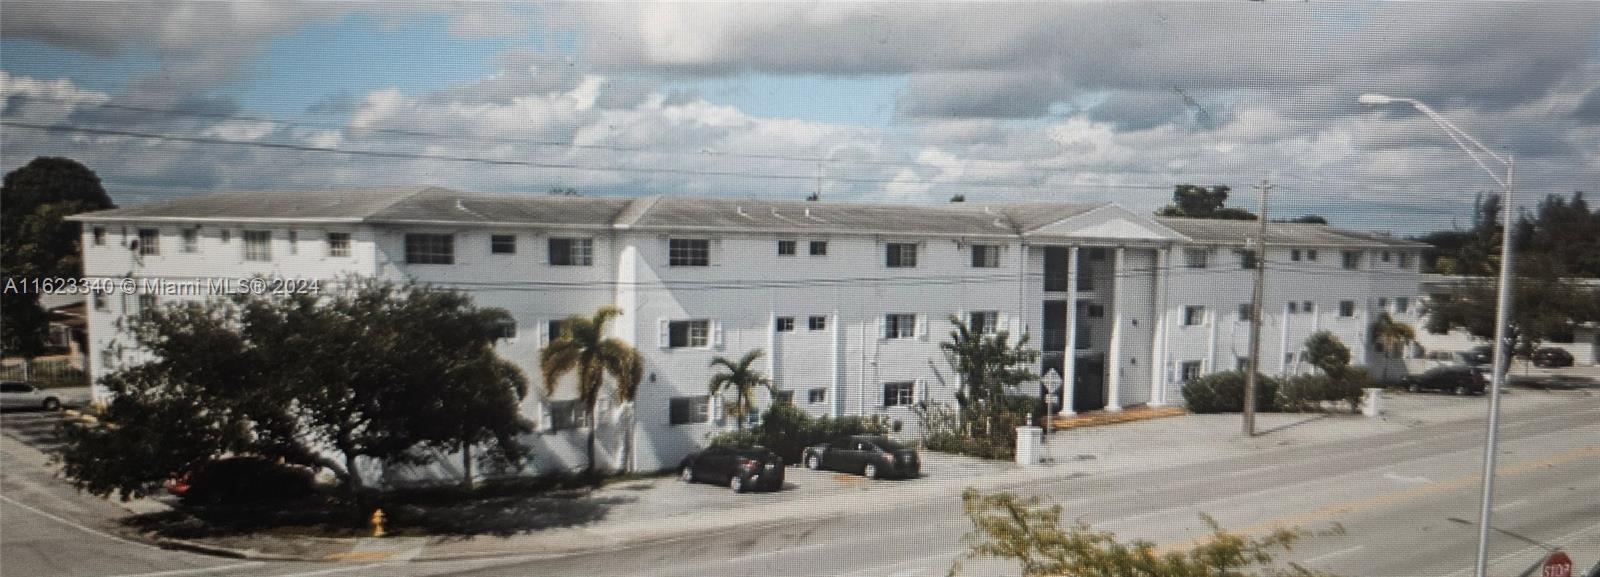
{"x":1331,"y":511}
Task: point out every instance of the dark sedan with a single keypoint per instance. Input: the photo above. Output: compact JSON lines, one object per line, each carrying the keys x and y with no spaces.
{"x":740,"y":468}
{"x":1552,"y":357}
{"x":1456,"y":379}
{"x":870,"y":455}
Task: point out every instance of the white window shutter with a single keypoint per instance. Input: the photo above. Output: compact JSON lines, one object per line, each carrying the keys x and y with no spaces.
{"x":882,"y":327}
{"x":544,"y":415}
{"x":543,"y":331}
{"x":663,"y":334}
{"x":716,"y":334}
{"x":922,"y":327}
{"x":920,"y":390}
{"x":1002,"y":322}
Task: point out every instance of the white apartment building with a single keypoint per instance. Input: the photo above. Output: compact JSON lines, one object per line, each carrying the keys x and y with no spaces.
{"x":849,"y":300}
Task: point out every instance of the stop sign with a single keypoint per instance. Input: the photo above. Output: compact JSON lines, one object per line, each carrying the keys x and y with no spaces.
{"x":1558,"y":564}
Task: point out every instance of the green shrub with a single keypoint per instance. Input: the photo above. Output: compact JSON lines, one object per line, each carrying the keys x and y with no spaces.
{"x":1224,"y":393}
{"x":787,"y":431}
{"x":992,"y":436}
{"x":735,"y":439}
{"x":246,"y":480}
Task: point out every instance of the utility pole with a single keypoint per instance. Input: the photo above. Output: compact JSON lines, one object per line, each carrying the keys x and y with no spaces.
{"x":1255,"y":314}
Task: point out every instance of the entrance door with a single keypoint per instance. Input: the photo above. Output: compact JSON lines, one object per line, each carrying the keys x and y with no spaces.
{"x":1089,"y":392}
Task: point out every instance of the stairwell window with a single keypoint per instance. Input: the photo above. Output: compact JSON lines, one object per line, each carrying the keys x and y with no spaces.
{"x":688,"y":252}
{"x":430,"y":248}
{"x":257,"y":245}
{"x":902,"y":255}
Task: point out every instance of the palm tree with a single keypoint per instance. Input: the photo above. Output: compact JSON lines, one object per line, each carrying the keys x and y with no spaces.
{"x":582,"y":347}
{"x":1393,"y":336}
{"x":743,"y":380}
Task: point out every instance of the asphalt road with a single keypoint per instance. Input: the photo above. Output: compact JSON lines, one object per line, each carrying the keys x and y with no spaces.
{"x":1407,"y":503}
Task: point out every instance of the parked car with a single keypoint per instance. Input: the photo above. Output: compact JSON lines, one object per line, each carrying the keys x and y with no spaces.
{"x":1458,"y":380}
{"x":740,"y":468}
{"x":1479,"y":355}
{"x":20,"y":395}
{"x":1552,"y":357}
{"x":870,"y":455}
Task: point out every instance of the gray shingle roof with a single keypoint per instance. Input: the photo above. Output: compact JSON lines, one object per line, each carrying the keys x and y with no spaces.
{"x":417,"y":205}
{"x":1238,"y":232}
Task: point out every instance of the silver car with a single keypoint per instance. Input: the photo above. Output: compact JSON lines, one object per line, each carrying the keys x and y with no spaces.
{"x":18,"y":395}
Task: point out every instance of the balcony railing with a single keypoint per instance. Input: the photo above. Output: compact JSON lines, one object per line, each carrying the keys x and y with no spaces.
{"x":1056,"y":339}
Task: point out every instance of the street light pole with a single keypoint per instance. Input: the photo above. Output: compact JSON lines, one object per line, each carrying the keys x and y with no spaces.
{"x":1502,"y":308}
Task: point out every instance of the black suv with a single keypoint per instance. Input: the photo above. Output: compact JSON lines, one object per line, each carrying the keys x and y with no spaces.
{"x":740,"y":468}
{"x":1552,"y":357}
{"x":871,"y":455}
{"x":1456,"y":379}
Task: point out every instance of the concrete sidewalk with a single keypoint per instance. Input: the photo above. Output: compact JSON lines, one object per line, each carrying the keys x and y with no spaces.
{"x":673,"y":510}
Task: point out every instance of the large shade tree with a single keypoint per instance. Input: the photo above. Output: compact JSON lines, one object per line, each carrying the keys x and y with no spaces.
{"x":38,"y":243}
{"x":367,"y":371}
{"x":743,"y":379}
{"x":582,"y":348}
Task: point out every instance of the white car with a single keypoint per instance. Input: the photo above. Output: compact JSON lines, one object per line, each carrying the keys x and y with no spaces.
{"x":17,"y":395}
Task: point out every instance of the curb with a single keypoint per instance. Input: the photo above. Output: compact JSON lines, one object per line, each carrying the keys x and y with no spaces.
{"x":217,"y":551}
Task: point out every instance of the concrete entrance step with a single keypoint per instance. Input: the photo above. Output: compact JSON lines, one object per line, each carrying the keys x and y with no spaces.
{"x":1126,"y":415}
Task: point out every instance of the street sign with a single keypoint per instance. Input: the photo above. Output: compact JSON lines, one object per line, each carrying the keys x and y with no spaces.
{"x":1558,"y":564}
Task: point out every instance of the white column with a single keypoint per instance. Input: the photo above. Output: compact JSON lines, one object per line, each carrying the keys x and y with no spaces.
{"x":1069,"y":361}
{"x":1114,"y":358}
{"x":1210,"y":318}
{"x":1283,"y":343}
{"x":1158,"y":342}
{"x":835,"y":400}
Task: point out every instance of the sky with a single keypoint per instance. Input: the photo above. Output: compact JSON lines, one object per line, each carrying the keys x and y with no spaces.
{"x":860,"y":101}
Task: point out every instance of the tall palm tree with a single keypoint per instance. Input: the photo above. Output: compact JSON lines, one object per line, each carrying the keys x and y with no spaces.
{"x":743,"y":380}
{"x":583,"y":347}
{"x":1393,"y":335}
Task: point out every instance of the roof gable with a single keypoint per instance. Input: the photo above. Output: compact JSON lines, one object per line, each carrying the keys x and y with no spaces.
{"x":1108,"y":222}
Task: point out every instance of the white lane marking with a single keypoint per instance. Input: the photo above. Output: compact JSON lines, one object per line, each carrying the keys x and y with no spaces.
{"x":1327,"y":556}
{"x":1253,"y":470}
{"x":1509,"y":505}
{"x":193,"y":571}
{"x":780,"y":552}
{"x":332,"y":571}
{"x":73,"y":525}
{"x":1404,"y":479}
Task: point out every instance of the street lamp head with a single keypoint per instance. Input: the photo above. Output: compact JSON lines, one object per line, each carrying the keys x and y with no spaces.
{"x":1371,"y":99}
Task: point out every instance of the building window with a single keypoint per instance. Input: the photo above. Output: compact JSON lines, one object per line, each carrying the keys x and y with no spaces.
{"x":1311,"y":254}
{"x":783,"y":398}
{"x":902,"y":255}
{"x":1347,"y":308}
{"x":568,"y":415}
{"x":505,"y":329}
{"x":258,"y":245}
{"x":1193,"y":315}
{"x":109,"y":358}
{"x":786,"y":247}
{"x":689,"y":410}
{"x":1244,"y":312}
{"x":688,"y":334}
{"x":1195,"y":257}
{"x":1352,"y":259}
{"x":1294,"y":255}
{"x":1188,"y":371}
{"x":1308,"y":307}
{"x":1385,"y":256}
{"x":1247,"y":259}
{"x":147,"y":303}
{"x":99,"y":301}
{"x":817,"y":323}
{"x":1288,"y":358}
{"x":1402,"y":304}
{"x":985,"y":256}
{"x":191,"y":240}
{"x":338,"y":244}
{"x":294,"y":242}
{"x":785,"y":324}
{"x":503,"y":244}
{"x":817,"y":395}
{"x":1292,"y":307}
{"x":1383,"y":303}
{"x":1405,"y":260}
{"x":430,"y":249}
{"x":688,"y":252}
{"x":227,"y":235}
{"x":899,"y":326}
{"x":819,"y":248}
{"x":983,"y":322}
{"x":553,"y":328}
{"x":149,"y":241}
{"x":1241,"y":364}
{"x":899,"y":393}
{"x":1097,"y":253}
{"x":99,"y":236}
{"x":1094,"y":311}
{"x":572,"y":251}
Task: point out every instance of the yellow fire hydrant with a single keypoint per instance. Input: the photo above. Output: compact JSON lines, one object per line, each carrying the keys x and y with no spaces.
{"x":377,"y":523}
